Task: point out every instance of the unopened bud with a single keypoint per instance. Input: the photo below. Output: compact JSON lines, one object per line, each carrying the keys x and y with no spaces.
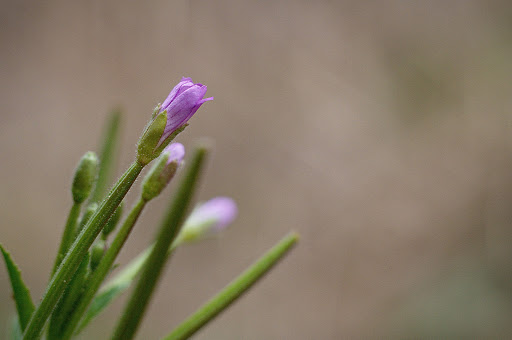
{"x":97,"y":252}
{"x":208,"y":218}
{"x":163,"y":171}
{"x":89,"y":212}
{"x":170,"y":118}
{"x":85,"y":177}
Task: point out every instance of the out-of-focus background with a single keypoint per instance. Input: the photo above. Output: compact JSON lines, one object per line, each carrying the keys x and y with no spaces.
{"x":380,"y":131}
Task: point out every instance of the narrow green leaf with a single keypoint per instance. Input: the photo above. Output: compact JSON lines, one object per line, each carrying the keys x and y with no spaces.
{"x":98,"y":276}
{"x":68,"y":235}
{"x":108,"y":155}
{"x":15,"y":330}
{"x":233,"y":290}
{"x":114,"y":288}
{"x":170,"y":228}
{"x":118,"y":285}
{"x":64,"y":309}
{"x":24,"y":303}
{"x":77,"y":251}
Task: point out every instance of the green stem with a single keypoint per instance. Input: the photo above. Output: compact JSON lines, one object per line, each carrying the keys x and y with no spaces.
{"x":117,"y":285}
{"x":170,"y":228}
{"x":68,"y":235}
{"x":67,"y":302}
{"x":107,"y":156}
{"x":233,"y":290}
{"x":103,"y":268}
{"x":78,"y":250}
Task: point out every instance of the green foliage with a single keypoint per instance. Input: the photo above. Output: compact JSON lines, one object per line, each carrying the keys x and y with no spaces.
{"x":73,"y":297}
{"x":21,"y":293}
{"x":234,"y":290}
{"x":169,"y":229}
{"x":114,"y":288}
{"x":85,"y":177}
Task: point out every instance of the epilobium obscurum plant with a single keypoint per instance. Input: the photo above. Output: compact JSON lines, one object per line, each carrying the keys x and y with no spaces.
{"x":77,"y":292}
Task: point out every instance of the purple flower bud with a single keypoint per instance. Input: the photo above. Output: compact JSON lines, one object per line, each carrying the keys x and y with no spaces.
{"x":162,"y":171}
{"x":209,"y":217}
{"x":176,"y":153}
{"x":181,"y":104}
{"x":170,"y":118}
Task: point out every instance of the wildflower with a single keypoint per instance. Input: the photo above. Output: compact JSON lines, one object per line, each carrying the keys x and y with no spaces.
{"x":171,"y":118}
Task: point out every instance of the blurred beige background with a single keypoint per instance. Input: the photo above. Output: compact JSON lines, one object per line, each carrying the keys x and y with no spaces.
{"x":379,"y":130}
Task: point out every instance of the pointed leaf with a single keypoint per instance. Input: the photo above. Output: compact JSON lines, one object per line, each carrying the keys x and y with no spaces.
{"x":77,"y":251}
{"x":24,"y":303}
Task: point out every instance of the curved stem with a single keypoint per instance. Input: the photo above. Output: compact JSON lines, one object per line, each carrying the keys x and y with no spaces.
{"x":103,"y":268}
{"x":233,"y":290}
{"x":77,"y":251}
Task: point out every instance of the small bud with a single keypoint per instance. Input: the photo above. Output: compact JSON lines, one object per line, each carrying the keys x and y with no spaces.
{"x":163,"y":171}
{"x":97,"y":252}
{"x":112,"y":221}
{"x":89,"y":212}
{"x":171,"y":118}
{"x":208,"y":218}
{"x":85,"y":177}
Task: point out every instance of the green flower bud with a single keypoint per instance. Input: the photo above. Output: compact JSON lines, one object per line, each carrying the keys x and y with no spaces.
{"x":147,"y":147}
{"x":113,"y":220}
{"x":97,"y":252}
{"x":85,"y":177}
{"x":163,"y":171}
{"x":91,"y":209}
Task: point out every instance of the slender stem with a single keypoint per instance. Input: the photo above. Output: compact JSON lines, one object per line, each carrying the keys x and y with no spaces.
{"x":134,"y":310}
{"x":68,"y":235}
{"x":233,"y":290}
{"x":67,"y":302}
{"x":77,"y":251}
{"x":107,"y":156}
{"x":117,"y":285}
{"x":103,"y":268}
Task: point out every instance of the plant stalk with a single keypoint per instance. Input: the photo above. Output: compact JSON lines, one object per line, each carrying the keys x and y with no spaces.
{"x":170,"y":228}
{"x":78,"y":250}
{"x":103,"y":268}
{"x":233,"y":290}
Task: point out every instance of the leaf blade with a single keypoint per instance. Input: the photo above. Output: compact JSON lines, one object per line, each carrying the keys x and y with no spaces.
{"x":233,"y":290}
{"x":24,"y":304}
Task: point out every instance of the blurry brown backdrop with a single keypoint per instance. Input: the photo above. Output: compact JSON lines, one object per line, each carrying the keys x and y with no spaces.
{"x":379,"y":130}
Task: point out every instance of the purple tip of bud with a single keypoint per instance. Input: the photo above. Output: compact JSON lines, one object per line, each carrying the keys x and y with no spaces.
{"x":176,"y":153}
{"x":222,"y":210}
{"x":181,"y":104}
